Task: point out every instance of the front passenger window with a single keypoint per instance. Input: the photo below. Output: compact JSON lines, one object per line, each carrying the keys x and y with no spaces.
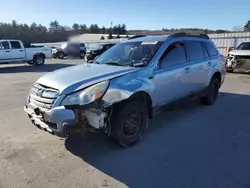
{"x":175,"y":55}
{"x":4,"y":45}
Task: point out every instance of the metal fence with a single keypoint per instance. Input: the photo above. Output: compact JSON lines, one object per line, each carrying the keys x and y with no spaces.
{"x":222,"y":41}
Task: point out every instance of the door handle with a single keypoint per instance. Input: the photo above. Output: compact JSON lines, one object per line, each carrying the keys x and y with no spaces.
{"x":7,"y":51}
{"x":209,"y":64}
{"x":20,"y":50}
{"x":187,"y":70}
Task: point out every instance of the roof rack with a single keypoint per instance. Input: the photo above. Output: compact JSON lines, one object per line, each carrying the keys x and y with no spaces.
{"x":185,"y":34}
{"x":136,"y":36}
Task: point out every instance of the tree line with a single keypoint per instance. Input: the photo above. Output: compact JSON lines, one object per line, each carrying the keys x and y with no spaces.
{"x":37,"y":33}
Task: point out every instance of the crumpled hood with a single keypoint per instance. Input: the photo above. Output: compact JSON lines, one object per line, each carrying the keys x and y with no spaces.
{"x":240,"y":52}
{"x":70,"y":79}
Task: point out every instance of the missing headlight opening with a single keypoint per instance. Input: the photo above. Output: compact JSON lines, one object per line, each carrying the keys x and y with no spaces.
{"x":91,"y":119}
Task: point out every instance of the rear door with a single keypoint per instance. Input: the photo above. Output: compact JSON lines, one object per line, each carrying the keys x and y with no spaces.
{"x":212,"y":60}
{"x":5,"y":54}
{"x":198,"y":74}
{"x":17,"y":52}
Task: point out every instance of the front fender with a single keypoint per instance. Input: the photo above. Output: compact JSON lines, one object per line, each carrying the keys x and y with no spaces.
{"x":123,"y":87}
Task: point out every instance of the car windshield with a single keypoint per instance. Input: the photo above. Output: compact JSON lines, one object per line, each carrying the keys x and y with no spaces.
{"x":244,"y":46}
{"x":130,"y":53}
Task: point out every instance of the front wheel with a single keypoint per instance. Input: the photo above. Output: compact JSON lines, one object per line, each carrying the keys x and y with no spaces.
{"x":129,"y":122}
{"x":212,"y":92}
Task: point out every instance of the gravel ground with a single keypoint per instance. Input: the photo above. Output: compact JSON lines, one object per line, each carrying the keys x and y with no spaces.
{"x":188,"y":146}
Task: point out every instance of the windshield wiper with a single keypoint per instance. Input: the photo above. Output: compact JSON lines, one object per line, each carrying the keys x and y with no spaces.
{"x":114,"y":63}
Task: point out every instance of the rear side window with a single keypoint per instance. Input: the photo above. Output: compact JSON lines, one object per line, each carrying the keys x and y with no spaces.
{"x":194,"y":50}
{"x":212,"y":51}
{"x":15,"y":45}
{"x":82,"y":45}
{"x":4,"y":45}
{"x":174,"y":55}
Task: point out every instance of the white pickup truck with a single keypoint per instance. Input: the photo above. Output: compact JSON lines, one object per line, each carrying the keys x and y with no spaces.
{"x":16,"y":51}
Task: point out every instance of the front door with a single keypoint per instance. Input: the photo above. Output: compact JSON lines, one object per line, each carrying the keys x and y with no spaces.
{"x":171,"y":75}
{"x":5,"y":54}
{"x":17,"y":52}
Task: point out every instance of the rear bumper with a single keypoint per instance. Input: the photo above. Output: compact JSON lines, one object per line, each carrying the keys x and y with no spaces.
{"x":58,"y":121}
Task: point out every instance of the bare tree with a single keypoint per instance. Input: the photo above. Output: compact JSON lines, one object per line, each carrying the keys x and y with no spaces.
{"x":238,"y":28}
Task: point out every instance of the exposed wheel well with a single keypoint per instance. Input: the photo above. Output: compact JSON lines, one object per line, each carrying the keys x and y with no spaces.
{"x":218,"y":76}
{"x":60,"y":52}
{"x":145,"y":98}
{"x":39,"y":54}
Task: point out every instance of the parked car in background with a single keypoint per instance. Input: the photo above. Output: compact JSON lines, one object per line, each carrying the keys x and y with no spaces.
{"x":16,"y":51}
{"x":92,"y":54}
{"x":239,"y":58}
{"x":126,"y":85}
{"x":73,"y":49}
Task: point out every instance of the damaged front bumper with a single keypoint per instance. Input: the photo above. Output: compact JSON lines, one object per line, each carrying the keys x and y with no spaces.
{"x":58,"y":121}
{"x":238,"y":62}
{"x":61,"y":121}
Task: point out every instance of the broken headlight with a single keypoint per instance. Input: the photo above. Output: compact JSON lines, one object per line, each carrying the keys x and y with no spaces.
{"x":87,"y":95}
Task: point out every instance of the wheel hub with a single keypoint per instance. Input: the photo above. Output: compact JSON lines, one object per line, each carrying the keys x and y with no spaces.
{"x":39,"y":60}
{"x":133,"y":124}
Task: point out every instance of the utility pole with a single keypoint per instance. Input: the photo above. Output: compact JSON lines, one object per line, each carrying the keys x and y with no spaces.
{"x":112,"y":28}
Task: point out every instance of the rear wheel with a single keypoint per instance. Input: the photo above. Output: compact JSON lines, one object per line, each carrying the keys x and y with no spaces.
{"x":230,"y":70}
{"x":39,"y":60}
{"x":129,"y":122}
{"x":82,"y":55}
{"x":60,"y":55}
{"x":212,"y":92}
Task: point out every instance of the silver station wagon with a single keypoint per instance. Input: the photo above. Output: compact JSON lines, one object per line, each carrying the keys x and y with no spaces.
{"x":126,"y":85}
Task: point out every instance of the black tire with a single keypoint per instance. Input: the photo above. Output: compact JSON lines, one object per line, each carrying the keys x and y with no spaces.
{"x":211,"y":92}
{"x":230,"y":70}
{"x":30,"y":62}
{"x":82,"y":55}
{"x":39,"y":60}
{"x":129,"y":122}
{"x":60,"y":55}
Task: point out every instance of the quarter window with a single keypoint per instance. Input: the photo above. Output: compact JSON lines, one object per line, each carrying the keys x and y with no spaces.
{"x":212,"y":51}
{"x":174,"y":55}
{"x":15,"y":45}
{"x":194,"y":50}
